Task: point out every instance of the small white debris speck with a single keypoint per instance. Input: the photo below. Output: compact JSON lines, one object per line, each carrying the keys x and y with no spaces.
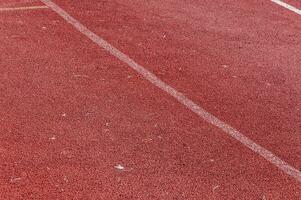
{"x":64,"y":114}
{"x":119,"y":167}
{"x":53,"y":138}
{"x":66,"y":179}
{"x":13,"y":180}
{"x":215,"y":187}
{"x":80,"y":76}
{"x":225,"y":66}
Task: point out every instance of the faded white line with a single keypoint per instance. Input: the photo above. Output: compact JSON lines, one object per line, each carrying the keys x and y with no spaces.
{"x":287,"y":6}
{"x":23,"y":8}
{"x":268,"y":155}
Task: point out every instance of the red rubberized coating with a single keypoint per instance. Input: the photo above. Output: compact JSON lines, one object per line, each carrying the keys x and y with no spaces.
{"x":255,"y":87}
{"x":251,"y":79}
{"x":71,"y":113}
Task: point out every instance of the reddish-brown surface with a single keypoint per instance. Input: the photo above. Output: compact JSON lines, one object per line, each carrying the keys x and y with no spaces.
{"x":70,"y":112}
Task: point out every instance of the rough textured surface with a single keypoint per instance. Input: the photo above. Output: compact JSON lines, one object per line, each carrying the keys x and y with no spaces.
{"x":75,"y":123}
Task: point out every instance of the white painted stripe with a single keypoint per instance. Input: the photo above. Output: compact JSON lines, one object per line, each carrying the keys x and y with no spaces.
{"x":23,"y":8}
{"x":287,"y":6}
{"x":268,"y":155}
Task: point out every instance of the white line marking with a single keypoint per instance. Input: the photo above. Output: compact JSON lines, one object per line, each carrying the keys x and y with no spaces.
{"x":23,"y":8}
{"x":287,"y":6}
{"x":268,"y":155}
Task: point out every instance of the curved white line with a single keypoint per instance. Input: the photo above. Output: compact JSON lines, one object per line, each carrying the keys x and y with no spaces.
{"x":287,"y":6}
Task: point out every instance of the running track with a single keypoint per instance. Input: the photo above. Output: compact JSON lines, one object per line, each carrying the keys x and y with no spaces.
{"x":80,"y":120}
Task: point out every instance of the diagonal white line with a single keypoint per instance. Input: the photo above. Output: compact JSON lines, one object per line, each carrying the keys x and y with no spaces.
{"x":287,"y":6}
{"x":268,"y":155}
{"x":23,"y":8}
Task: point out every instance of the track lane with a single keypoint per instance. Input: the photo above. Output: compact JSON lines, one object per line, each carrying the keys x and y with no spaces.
{"x":170,"y":158}
{"x":245,"y":78}
{"x":180,"y":97}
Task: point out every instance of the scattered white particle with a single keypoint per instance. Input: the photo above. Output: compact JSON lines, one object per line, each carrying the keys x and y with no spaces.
{"x":80,"y":76}
{"x":164,"y":36}
{"x":16,"y":179}
{"x":44,"y":28}
{"x":119,"y":167}
{"x":225,"y":66}
{"x":211,"y":160}
{"x":129,"y":76}
{"x":107,"y":124}
{"x":66,"y":179}
{"x":105,"y":130}
{"x":53,"y":138}
{"x":215,"y":187}
{"x":64,"y":114}
{"x":147,"y":140}
{"x":234,"y":76}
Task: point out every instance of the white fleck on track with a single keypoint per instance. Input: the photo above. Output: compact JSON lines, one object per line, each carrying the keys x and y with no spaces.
{"x":24,"y":8}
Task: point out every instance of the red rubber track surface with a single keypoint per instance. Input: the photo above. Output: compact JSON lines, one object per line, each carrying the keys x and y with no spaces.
{"x":70,"y":112}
